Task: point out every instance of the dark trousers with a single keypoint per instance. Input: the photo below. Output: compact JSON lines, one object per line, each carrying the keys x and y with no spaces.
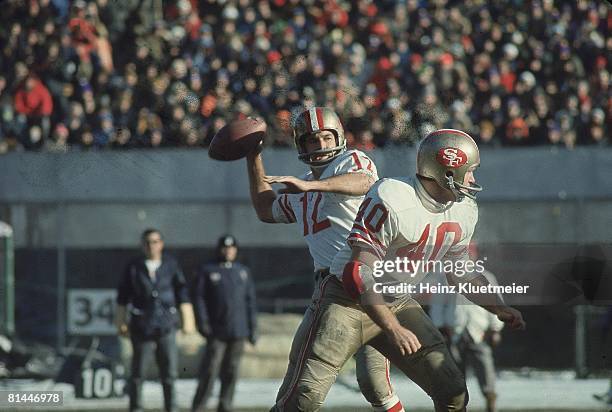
{"x":221,"y":359}
{"x":166,"y":355}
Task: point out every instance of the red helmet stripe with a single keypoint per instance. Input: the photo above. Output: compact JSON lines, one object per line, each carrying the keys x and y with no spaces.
{"x":312,"y":120}
{"x":307,"y":120}
{"x":320,"y":118}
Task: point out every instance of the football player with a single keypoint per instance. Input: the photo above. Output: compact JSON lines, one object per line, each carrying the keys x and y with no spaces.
{"x":427,"y":217}
{"x":323,"y":203}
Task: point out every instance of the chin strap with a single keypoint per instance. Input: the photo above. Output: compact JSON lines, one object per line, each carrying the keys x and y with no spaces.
{"x":460,"y":190}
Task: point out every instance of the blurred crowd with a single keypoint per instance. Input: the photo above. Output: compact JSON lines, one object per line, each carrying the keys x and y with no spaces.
{"x":152,"y":73}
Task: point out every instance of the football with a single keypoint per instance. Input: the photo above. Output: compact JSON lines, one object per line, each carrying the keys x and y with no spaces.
{"x":236,"y":139}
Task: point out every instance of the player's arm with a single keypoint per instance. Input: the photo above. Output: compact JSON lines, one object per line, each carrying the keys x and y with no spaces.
{"x":351,"y":184}
{"x":491,"y":302}
{"x":262,"y":194}
{"x":358,"y":280}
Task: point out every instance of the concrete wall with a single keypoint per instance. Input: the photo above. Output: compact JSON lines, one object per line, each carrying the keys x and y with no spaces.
{"x":104,"y":199}
{"x":109,"y":225}
{"x":189,"y":175}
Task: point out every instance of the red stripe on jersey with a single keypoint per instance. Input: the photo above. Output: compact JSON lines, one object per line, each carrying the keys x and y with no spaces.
{"x":304,"y":200}
{"x":357,"y":236}
{"x":284,"y":208}
{"x":378,"y":242}
{"x":370,"y":235}
{"x":320,"y":118}
{"x":289,"y":207}
{"x":357,"y":162}
{"x":369,"y":165}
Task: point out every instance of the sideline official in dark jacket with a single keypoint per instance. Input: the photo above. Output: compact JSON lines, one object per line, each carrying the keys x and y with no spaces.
{"x":225,"y":311}
{"x":153,"y":288}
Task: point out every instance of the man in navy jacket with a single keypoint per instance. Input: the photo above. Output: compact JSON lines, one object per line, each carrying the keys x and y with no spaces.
{"x":154,"y":288}
{"x":224,"y":304}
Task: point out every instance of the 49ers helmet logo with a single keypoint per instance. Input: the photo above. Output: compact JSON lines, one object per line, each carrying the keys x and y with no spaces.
{"x":451,"y":157}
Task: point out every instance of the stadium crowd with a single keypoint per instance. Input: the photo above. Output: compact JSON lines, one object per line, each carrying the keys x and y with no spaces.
{"x":153,"y":73}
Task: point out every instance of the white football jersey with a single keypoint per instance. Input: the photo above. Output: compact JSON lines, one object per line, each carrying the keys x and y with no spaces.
{"x":398,"y":218}
{"x":325,"y":218}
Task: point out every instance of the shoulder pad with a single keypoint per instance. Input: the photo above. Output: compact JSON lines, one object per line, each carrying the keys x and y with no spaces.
{"x":397,"y":193}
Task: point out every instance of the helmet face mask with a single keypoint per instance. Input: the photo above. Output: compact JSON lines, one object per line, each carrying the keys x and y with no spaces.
{"x":446,"y":156}
{"x":461,"y":190}
{"x":312,"y":121}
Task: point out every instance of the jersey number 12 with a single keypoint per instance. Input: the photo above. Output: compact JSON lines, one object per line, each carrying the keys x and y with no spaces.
{"x":317,"y":225}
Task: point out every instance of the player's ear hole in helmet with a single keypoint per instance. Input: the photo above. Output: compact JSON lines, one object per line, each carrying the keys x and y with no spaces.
{"x":314,"y":120}
{"x":446,"y":156}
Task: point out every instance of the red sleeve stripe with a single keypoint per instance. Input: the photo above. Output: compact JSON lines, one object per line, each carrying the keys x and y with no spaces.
{"x":285,"y":211}
{"x":358,"y":237}
{"x":357,"y":161}
{"x":378,"y":242}
{"x":289,"y":207}
{"x":369,"y":233}
{"x":351,"y":280}
{"x":396,"y":408}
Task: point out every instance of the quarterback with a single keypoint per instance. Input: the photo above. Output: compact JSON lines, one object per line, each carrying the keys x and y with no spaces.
{"x":323,"y":203}
{"x":430,"y":216}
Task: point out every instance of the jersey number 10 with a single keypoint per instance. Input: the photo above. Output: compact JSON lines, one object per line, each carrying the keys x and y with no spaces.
{"x":416,"y":251}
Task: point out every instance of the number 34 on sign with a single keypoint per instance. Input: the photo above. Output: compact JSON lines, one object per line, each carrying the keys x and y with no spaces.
{"x":91,"y":311}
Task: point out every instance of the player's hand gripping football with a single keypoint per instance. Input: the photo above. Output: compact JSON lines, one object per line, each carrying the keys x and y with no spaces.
{"x":292,"y":184}
{"x":512,"y":317}
{"x":406,"y":341}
